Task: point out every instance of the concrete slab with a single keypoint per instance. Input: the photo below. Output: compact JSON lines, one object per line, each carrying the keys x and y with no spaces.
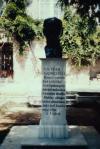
{"x":92,"y":136}
{"x":26,"y":137}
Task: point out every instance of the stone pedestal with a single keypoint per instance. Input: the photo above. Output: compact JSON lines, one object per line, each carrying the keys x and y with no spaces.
{"x":53,"y":120}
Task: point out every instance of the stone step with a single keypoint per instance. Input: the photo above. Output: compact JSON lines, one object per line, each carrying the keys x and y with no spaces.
{"x":88,"y":98}
{"x":69,"y":101}
{"x":36,"y":100}
{"x":26,"y":137}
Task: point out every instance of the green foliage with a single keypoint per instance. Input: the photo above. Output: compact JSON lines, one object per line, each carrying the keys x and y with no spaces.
{"x":24,"y":30}
{"x":21,"y":4}
{"x":83,"y":7}
{"x":21,"y":26}
{"x":39,"y":29}
{"x":11,"y":11}
{"x":81,"y":38}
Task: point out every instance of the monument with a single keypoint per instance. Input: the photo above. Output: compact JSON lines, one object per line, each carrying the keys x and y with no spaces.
{"x":53,"y":120}
{"x":53,"y":130}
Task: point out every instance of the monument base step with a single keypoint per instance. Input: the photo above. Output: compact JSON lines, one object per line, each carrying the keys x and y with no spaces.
{"x":26,"y":137}
{"x":75,"y":140}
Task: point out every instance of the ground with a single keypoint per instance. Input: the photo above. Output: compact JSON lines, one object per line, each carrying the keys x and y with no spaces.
{"x":16,"y":114}
{"x":12,"y":114}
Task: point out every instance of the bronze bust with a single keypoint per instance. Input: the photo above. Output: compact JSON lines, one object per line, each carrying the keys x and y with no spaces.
{"x":52,"y":30}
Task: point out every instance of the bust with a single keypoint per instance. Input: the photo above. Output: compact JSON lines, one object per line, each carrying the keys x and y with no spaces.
{"x":52,"y":30}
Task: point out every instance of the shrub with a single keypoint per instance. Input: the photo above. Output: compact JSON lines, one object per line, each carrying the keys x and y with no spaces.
{"x":80,"y":40}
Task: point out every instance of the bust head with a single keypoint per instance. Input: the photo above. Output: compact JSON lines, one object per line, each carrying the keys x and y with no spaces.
{"x":52,"y":27}
{"x":52,"y":30}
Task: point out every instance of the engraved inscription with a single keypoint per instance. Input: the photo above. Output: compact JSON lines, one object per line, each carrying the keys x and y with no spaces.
{"x":53,"y":91}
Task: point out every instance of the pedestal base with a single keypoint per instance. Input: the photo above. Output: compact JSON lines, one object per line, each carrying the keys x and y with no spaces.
{"x":26,"y":137}
{"x":75,"y":140}
{"x":53,"y":131}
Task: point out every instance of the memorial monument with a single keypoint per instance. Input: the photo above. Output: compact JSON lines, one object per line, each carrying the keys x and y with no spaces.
{"x":53,"y":120}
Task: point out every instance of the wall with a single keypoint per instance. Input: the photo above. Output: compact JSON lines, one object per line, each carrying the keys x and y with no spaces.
{"x":42,"y":9}
{"x":27,"y":76}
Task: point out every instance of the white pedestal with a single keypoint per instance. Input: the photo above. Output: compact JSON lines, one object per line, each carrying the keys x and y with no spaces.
{"x":53,"y":119}
{"x":54,"y":131}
